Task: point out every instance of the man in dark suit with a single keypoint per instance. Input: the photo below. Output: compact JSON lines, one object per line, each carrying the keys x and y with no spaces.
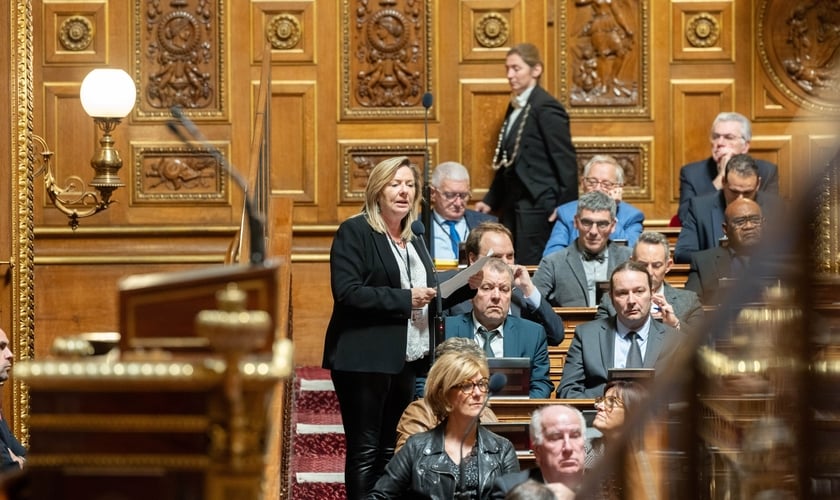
{"x":569,"y":278}
{"x":558,"y":439}
{"x":674,"y":307}
{"x":451,"y":219}
{"x":703,"y":225}
{"x":498,"y":333}
{"x":730,"y":135}
{"x":12,"y":453}
{"x":630,"y":339}
{"x":743,"y":227}
{"x":526,"y":301}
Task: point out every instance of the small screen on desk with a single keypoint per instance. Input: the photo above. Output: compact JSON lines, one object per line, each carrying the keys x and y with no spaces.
{"x":518,"y":373}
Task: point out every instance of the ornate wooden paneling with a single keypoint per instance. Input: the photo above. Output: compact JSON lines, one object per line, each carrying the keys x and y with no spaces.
{"x":289,"y":27}
{"x":359,"y":157}
{"x":703,"y":31}
{"x":778,"y":150}
{"x":489,"y":28}
{"x":164,"y":175}
{"x":294,"y":136}
{"x":75,"y":32}
{"x":634,"y":154}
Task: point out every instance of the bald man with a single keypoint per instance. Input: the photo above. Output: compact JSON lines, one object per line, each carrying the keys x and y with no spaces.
{"x":743,"y":224}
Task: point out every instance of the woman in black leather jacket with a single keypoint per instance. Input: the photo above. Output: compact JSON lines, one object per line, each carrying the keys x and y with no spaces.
{"x":430,"y":463}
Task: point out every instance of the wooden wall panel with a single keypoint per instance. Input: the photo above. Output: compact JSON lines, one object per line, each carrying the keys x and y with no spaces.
{"x":481,"y":121}
{"x":294,"y":140}
{"x":778,"y":150}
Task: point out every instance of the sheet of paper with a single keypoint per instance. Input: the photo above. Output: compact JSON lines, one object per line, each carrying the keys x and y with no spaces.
{"x":462,"y":278}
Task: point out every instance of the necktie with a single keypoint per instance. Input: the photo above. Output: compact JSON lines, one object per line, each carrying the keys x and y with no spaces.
{"x":593,"y":256}
{"x":488,"y":337}
{"x":454,"y":237}
{"x":634,"y":357}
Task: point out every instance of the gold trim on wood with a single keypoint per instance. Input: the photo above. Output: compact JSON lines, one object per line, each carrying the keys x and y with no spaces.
{"x":702,"y":30}
{"x":106,"y":423}
{"x":283,"y":31}
{"x":492,"y":30}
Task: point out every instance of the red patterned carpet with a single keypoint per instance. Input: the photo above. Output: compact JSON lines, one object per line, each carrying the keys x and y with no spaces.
{"x":317,"y":452}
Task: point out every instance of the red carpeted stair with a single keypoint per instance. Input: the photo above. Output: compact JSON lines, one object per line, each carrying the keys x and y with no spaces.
{"x":317,"y":452}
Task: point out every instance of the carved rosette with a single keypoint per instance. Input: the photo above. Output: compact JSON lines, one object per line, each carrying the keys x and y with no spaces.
{"x":702,"y":30}
{"x":492,"y":30}
{"x":75,"y":33}
{"x":283,"y":32}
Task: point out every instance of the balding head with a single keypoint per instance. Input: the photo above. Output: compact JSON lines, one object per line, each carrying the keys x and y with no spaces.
{"x":6,"y":357}
{"x":743,"y":224}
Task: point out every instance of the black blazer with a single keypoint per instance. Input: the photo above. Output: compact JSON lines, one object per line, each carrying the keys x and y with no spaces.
{"x":367,"y":330}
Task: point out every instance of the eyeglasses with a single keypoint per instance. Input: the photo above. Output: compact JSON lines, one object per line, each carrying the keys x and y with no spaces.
{"x":592,"y":182}
{"x":609,"y":402}
{"x":741,"y":222}
{"x":588,"y":223}
{"x":726,"y":137}
{"x":449,"y":196}
{"x":467,"y":387}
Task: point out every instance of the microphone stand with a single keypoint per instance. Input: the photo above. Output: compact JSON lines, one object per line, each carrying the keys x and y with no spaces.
{"x":256,"y":225}
{"x":427,"y":188}
{"x":439,"y":330}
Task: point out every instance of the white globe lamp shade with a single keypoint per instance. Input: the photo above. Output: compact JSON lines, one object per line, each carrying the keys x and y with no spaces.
{"x":108,"y":93}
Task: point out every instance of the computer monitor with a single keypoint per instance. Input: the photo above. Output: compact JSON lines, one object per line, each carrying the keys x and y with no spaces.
{"x":518,"y":373}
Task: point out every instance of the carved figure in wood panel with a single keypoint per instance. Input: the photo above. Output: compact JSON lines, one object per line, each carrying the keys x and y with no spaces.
{"x":175,"y":174}
{"x":389,"y":54}
{"x":814,"y":37}
{"x":604,"y":44}
{"x":180,"y":55}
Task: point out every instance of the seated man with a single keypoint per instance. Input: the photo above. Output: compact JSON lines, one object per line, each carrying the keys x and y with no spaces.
{"x":569,"y":278}
{"x":558,"y":440}
{"x":630,"y":339}
{"x":672,"y":306}
{"x":418,"y":416}
{"x":499,"y":333}
{"x":743,"y":227}
{"x":601,"y":173}
{"x":730,"y":136}
{"x":451,"y":219}
{"x":703,"y":222}
{"x":525,"y":301}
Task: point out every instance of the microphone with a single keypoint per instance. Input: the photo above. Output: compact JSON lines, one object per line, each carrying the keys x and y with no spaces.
{"x":427,"y":187}
{"x":494,"y":386}
{"x":256,"y":225}
{"x":437,"y":336}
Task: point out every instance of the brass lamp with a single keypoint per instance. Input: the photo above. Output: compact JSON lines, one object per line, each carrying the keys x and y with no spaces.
{"x":107,"y":95}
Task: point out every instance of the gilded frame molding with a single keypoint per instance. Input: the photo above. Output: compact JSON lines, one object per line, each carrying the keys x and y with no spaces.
{"x":21,"y":216}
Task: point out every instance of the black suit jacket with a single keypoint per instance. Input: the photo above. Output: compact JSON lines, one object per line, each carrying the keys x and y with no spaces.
{"x":686,"y":306}
{"x":9,"y":442}
{"x":707,"y":267}
{"x":696,"y":180}
{"x":367,"y":330}
{"x":503,"y":484}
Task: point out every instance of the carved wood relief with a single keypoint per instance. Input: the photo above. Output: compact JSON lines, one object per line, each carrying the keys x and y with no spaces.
{"x":606,"y":43}
{"x":175,"y":174}
{"x":489,"y":28}
{"x":74,"y":33}
{"x":359,"y":158}
{"x":798,"y":44}
{"x":386,"y":57}
{"x":702,"y":32}
{"x":181,"y":49}
{"x":288,"y":26}
{"x":634,"y":156}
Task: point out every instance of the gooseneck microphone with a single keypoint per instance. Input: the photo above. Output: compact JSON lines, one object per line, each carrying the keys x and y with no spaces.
{"x":256,"y":225}
{"x":427,"y":188}
{"x":419,"y":230}
{"x":494,"y":386}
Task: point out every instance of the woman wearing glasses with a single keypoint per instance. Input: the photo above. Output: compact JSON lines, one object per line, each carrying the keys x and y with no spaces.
{"x":431,"y":463}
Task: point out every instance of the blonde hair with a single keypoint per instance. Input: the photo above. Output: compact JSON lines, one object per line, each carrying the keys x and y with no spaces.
{"x":449,"y":370}
{"x":379,"y":177}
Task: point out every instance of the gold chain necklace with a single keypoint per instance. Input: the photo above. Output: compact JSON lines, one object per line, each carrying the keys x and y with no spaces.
{"x":505,"y":162}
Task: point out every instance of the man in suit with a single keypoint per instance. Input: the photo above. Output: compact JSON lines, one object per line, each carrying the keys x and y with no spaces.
{"x":601,"y":173}
{"x":630,"y":339}
{"x":558,"y":439}
{"x":498,"y":333}
{"x":451,"y":219}
{"x":526,"y":301}
{"x":743,"y":228}
{"x":12,"y":453}
{"x":569,"y":278}
{"x":676,"y":308}
{"x":703,"y":225}
{"x":730,"y":135}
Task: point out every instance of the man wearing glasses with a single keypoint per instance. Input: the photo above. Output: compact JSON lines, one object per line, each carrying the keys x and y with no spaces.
{"x":570,"y":277}
{"x":601,"y":173}
{"x":703,"y":223}
{"x":451,"y":219}
{"x":730,"y":135}
{"x":743,"y":227}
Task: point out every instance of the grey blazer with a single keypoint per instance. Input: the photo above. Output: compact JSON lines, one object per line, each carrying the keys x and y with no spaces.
{"x":591,"y":355}
{"x":561,"y":279}
{"x":686,"y":306}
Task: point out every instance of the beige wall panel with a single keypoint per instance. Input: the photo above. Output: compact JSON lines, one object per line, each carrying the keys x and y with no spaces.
{"x":75,"y":32}
{"x":695,"y":103}
{"x":778,"y":150}
{"x":702,"y":31}
{"x":289,"y":27}
{"x":489,"y":28}
{"x":294,"y":140}
{"x":483,"y":107}
{"x":311,"y":309}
